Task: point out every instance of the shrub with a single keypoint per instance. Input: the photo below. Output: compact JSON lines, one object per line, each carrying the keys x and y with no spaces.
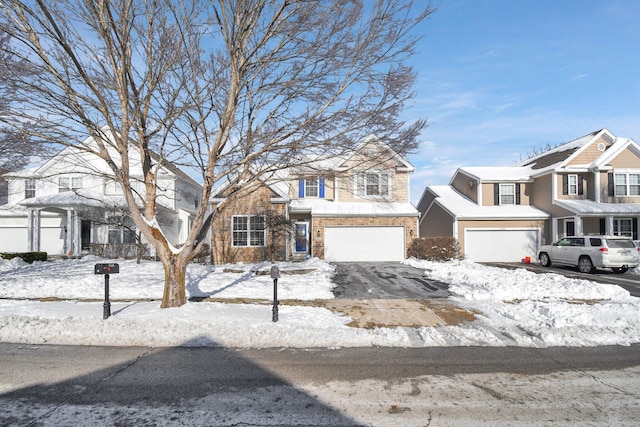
{"x":27,"y":257}
{"x":434,"y":248}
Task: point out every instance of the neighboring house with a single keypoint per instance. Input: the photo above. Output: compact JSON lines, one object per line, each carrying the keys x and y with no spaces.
{"x":587,"y":186}
{"x":72,"y":206}
{"x":355,"y":208}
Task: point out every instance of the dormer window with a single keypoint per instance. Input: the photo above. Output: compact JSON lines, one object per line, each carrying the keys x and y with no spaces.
{"x":372,"y":184}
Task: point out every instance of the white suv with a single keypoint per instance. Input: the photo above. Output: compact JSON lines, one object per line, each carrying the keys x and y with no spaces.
{"x":618,"y":253}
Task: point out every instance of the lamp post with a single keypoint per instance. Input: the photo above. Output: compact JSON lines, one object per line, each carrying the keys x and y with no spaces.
{"x":275,"y":275}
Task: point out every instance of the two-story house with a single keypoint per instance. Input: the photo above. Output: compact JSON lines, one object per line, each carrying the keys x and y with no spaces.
{"x":72,"y":202}
{"x":587,"y":186}
{"x":353,"y":208}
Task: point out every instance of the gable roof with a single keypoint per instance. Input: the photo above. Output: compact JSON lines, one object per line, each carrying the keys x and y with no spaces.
{"x":496,"y":174}
{"x":373,"y":139}
{"x":94,"y":163}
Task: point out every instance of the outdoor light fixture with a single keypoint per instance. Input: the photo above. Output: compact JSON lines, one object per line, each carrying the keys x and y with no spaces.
{"x":318,"y":233}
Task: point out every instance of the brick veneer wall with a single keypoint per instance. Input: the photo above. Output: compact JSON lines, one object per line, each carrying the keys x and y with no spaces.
{"x":258,"y":202}
{"x":409,"y":223}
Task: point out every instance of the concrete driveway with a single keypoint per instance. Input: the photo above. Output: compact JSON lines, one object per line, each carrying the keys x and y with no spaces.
{"x":384,"y":280}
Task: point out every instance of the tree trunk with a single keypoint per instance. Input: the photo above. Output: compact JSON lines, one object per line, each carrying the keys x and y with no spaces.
{"x":175,"y":270}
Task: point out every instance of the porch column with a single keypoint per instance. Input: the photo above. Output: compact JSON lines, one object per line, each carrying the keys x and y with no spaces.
{"x":577,"y":220}
{"x":33,"y":230}
{"x":608,"y":225}
{"x":69,"y":237}
{"x":554,"y":230}
{"x":77,"y":234}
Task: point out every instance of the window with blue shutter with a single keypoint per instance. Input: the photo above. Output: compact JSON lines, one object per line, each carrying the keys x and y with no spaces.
{"x":311,"y":187}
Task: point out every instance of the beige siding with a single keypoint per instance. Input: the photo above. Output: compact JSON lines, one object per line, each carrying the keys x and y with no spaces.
{"x":329,"y":187}
{"x":487,"y":194}
{"x":591,"y":226}
{"x":398,"y":192}
{"x":466,"y":185}
{"x":604,"y":192}
{"x":541,"y":194}
{"x":626,"y":160}
{"x":437,"y":223}
{"x":585,"y":184}
{"x":589,"y":153}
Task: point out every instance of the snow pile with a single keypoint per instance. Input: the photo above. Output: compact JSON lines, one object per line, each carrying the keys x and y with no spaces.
{"x":523,"y":308}
{"x":61,"y":303}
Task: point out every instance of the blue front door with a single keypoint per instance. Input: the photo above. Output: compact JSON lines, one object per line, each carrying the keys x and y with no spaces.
{"x":302,"y":237}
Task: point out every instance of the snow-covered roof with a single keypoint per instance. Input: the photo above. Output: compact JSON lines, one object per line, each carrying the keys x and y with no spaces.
{"x":586,"y":207}
{"x":321,"y":207}
{"x":81,"y":197}
{"x":488,"y":173}
{"x":463,"y":208}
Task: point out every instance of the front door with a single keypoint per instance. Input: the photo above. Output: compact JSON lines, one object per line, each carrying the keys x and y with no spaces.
{"x":85,"y":233}
{"x":302,"y":237}
{"x":571,"y":228}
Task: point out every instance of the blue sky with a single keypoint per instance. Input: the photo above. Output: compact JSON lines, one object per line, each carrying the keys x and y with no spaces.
{"x":500,"y":78}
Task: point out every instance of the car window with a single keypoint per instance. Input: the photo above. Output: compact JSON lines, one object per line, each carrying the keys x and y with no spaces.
{"x":595,"y":241}
{"x":620,"y":243}
{"x":564,"y":242}
{"x":577,"y":242}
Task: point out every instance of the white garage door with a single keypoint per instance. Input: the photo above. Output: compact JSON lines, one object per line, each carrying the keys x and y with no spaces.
{"x":501,"y":245}
{"x":14,"y":239}
{"x":364,"y":244}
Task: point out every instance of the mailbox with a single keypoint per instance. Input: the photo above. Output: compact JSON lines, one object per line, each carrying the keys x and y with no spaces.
{"x":107,"y":269}
{"x":275,"y":272}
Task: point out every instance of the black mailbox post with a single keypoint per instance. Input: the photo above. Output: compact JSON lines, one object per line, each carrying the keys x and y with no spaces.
{"x":106,"y":270}
{"x":275,"y":275}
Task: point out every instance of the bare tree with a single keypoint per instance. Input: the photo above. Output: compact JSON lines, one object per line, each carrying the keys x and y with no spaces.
{"x":229,"y":88}
{"x":16,"y":148}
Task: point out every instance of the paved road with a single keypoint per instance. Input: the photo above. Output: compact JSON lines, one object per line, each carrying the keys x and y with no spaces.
{"x":630,"y":282}
{"x":65,"y":385}
{"x":385,"y":280}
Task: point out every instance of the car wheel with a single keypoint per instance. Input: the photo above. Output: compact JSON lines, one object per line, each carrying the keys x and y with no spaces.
{"x":545,"y":261}
{"x":620,"y":270}
{"x":585,"y":265}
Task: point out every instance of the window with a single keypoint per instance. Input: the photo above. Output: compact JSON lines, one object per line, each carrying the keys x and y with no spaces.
{"x":119,"y":235}
{"x":69,"y":184}
{"x":248,"y":230}
{"x":627,"y":184}
{"x":372,"y":184}
{"x":623,"y":227}
{"x":311,"y":187}
{"x":30,"y":189}
{"x":573,"y":184}
{"x":507,"y":194}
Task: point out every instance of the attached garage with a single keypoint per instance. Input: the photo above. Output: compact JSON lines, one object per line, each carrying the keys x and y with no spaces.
{"x":14,"y":239}
{"x":501,"y":245}
{"x":364,"y":243}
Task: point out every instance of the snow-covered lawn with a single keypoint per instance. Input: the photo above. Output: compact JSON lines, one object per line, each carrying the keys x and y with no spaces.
{"x":61,"y":303}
